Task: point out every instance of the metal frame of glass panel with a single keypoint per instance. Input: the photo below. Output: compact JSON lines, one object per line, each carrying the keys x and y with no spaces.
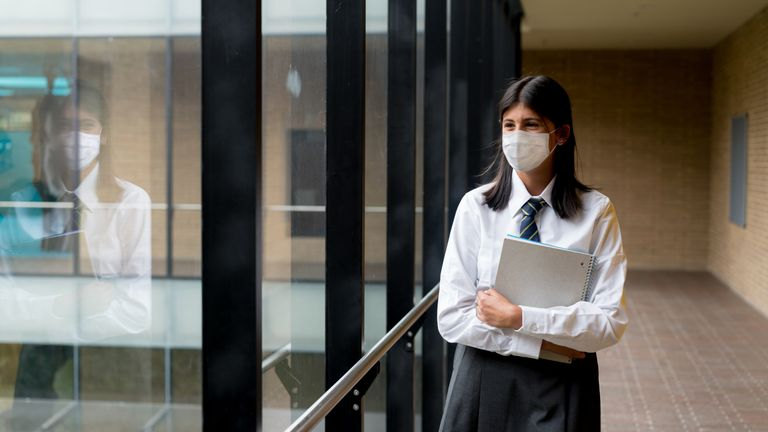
{"x":401,"y":206}
{"x":345,"y":201}
{"x":434,"y":227}
{"x":231,"y":191}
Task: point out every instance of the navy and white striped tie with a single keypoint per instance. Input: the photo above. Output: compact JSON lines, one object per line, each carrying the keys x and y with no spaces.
{"x":528,"y":228}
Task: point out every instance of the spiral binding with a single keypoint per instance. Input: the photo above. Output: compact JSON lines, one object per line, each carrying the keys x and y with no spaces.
{"x":586,"y":292}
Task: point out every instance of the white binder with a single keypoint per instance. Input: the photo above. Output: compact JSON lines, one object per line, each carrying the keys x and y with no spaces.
{"x":541,"y":275}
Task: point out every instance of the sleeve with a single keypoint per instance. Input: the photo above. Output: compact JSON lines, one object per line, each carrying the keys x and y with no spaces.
{"x":600,"y":323}
{"x":456,"y":317}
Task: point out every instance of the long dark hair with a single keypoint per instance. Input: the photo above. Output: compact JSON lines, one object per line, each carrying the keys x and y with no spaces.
{"x":90,"y":99}
{"x":49,"y":107}
{"x":547,"y":98}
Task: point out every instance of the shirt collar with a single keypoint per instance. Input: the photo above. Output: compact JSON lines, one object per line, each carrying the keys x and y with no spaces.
{"x":520,"y":194}
{"x":86,"y":191}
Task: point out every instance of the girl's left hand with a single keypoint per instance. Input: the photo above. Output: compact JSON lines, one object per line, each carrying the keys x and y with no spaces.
{"x":494,"y":309}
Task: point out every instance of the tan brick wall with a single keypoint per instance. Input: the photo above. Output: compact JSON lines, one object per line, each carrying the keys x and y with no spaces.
{"x":739,"y":256}
{"x":640,"y":119}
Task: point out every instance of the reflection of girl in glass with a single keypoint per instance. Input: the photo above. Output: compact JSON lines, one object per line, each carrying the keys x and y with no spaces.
{"x":103,"y":220}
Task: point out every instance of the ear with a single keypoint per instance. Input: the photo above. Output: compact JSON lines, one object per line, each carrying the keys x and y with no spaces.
{"x":564,"y":135}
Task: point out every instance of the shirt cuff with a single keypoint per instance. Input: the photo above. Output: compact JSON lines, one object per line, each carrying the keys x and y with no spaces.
{"x":534,"y":320}
{"x":521,"y":344}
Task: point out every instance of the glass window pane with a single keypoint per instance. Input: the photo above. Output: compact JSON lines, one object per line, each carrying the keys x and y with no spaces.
{"x":376,"y":58}
{"x":95,"y":333}
{"x":294,"y":85}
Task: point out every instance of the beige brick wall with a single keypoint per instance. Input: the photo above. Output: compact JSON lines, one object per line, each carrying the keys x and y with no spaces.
{"x":641,"y":122}
{"x":739,"y":256}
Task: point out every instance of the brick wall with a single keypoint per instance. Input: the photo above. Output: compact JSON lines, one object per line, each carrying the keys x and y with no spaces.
{"x":739,"y":256}
{"x":641,"y":122}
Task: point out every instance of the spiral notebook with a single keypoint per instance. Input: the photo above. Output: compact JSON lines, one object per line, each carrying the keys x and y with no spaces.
{"x":541,"y":275}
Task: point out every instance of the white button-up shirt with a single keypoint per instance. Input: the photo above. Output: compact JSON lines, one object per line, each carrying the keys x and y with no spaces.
{"x":472,"y":260}
{"x":117,"y":238}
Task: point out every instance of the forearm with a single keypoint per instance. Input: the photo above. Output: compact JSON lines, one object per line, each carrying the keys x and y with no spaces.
{"x":461,"y":325}
{"x":583,"y":326}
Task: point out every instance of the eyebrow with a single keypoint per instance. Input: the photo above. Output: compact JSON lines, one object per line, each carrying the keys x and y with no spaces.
{"x":525,"y":119}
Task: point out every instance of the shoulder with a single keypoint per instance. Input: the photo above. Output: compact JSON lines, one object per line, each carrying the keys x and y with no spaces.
{"x":475,"y":198}
{"x":596,"y":205}
{"x":472,"y":209}
{"x":132,"y":194}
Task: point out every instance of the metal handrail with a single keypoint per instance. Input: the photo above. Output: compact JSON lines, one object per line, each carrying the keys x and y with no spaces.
{"x":273,"y":359}
{"x":322,"y":406}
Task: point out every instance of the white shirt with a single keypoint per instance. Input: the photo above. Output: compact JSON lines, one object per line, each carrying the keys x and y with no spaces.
{"x":117,"y":237}
{"x":472,"y":259}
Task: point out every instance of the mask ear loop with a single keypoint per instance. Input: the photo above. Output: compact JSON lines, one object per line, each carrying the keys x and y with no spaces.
{"x":559,"y":141}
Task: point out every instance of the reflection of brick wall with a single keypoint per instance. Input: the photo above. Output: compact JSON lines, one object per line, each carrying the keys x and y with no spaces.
{"x":130,"y":72}
{"x":187,"y":112}
{"x":286,"y":257}
{"x":642,"y":123}
{"x":739,"y":256}
{"x":303,"y":257}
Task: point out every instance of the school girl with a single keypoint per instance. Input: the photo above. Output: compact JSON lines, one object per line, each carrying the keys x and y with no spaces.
{"x":499,"y":381}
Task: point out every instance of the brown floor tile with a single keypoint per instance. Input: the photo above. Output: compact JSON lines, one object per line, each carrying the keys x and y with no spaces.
{"x":694,"y":358}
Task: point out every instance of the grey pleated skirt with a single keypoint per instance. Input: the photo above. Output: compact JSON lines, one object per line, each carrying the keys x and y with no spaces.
{"x":494,"y":393}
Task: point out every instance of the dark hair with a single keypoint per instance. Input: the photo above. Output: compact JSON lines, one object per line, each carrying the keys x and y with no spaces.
{"x":90,"y":99}
{"x":86,"y":98}
{"x":548,"y":99}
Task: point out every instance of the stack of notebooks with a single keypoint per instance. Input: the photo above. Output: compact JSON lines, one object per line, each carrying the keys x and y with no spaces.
{"x":541,"y":275}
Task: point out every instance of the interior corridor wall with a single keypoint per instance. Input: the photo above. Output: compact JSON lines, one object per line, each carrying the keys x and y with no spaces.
{"x":739,"y":255}
{"x":641,"y":119}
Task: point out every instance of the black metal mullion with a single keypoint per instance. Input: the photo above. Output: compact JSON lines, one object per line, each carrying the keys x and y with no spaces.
{"x":345,"y":162}
{"x":458,"y":94}
{"x":232,"y":220}
{"x":457,"y":121}
{"x":480,"y":99}
{"x":435,"y":139}
{"x":507,"y":46}
{"x":401,"y":205}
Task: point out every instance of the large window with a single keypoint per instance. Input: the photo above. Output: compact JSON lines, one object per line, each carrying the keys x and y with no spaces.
{"x":100,"y":315}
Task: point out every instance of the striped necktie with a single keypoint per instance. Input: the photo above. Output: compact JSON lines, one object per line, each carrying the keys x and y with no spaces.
{"x":528,"y":228}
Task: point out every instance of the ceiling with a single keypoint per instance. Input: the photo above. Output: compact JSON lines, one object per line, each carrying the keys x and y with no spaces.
{"x":632,"y":24}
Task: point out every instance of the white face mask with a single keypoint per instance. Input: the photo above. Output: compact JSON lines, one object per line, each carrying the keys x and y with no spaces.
{"x":526,"y":150}
{"x":90,"y":145}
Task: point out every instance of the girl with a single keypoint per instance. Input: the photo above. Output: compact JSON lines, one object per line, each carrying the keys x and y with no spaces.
{"x":500,"y":381}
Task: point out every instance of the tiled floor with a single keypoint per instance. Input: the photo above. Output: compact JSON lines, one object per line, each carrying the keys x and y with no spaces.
{"x":694,"y":358}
